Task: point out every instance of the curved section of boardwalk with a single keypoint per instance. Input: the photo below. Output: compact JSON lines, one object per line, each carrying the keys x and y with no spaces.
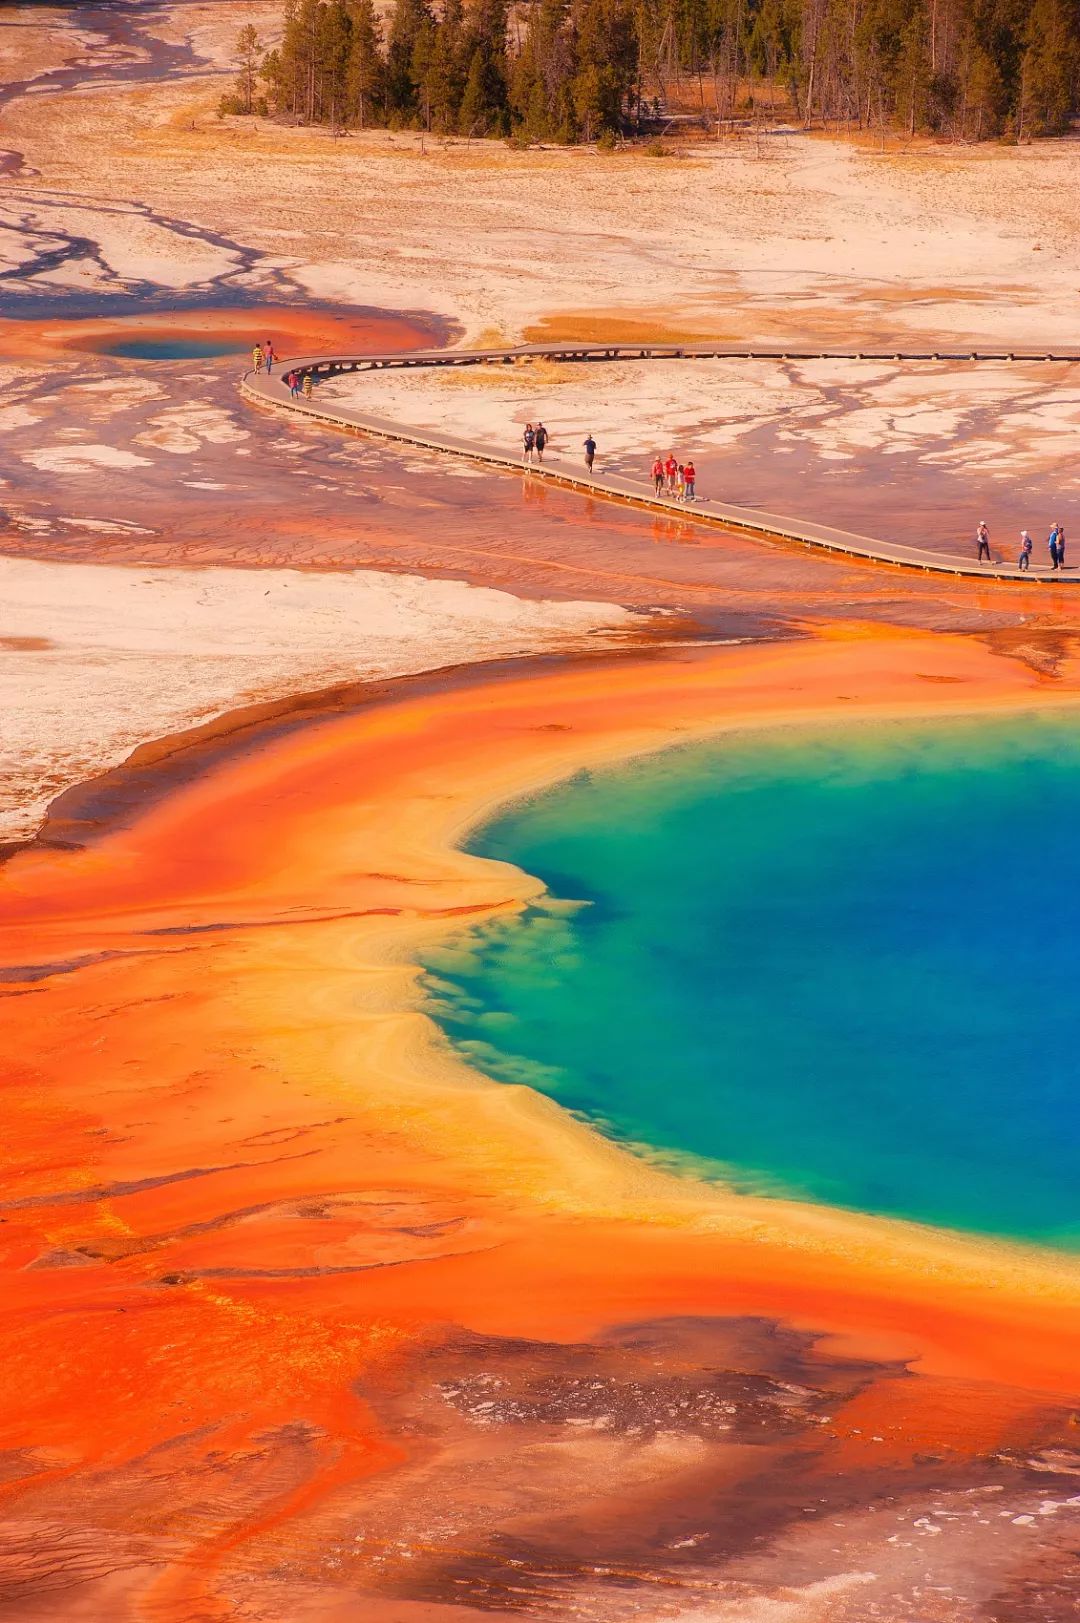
{"x":271,"y":391}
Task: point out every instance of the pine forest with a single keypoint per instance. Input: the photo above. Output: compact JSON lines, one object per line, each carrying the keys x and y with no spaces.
{"x":607,"y":70}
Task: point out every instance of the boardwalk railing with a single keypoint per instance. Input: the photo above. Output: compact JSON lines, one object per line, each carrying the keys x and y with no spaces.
{"x":270,"y":391}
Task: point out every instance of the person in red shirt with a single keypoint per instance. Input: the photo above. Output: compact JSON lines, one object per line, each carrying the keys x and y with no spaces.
{"x":658,"y":475}
{"x":689,"y":474}
{"x":671,"y":469}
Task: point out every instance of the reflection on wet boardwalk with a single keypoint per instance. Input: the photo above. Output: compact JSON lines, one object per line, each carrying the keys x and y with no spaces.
{"x":271,"y":390}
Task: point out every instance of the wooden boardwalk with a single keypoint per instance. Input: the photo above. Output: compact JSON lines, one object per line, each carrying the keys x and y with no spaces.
{"x":272,"y":392}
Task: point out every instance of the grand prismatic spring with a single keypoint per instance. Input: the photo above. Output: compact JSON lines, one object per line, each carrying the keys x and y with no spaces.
{"x":539,"y":1022}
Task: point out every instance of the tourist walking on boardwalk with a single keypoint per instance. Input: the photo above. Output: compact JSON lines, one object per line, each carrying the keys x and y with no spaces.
{"x":671,"y":472}
{"x":982,"y":536}
{"x":680,"y":484}
{"x":1061,"y":545}
{"x":541,"y":438}
{"x":590,"y":452}
{"x":658,"y":475}
{"x":271,"y":357}
{"x":689,"y":474}
{"x":308,"y":384}
{"x":257,"y":358}
{"x":292,"y":383}
{"x":1052,"y":544}
{"x":528,"y":444}
{"x":1026,"y":545}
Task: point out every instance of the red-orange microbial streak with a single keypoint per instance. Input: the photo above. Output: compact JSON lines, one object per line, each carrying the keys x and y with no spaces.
{"x":187,"y":1589}
{"x":242,"y":1183}
{"x":903,"y":1419}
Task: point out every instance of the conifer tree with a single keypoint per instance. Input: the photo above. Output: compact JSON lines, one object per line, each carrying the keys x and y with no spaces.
{"x":984,"y":94}
{"x":408,"y":52}
{"x":365,"y":70}
{"x":539,"y":94}
{"x":912,"y":81}
{"x":606,"y":64}
{"x":333,"y":43}
{"x":248,"y":55}
{"x":1053,"y":61}
{"x":484,"y":106}
{"x":444,"y":83}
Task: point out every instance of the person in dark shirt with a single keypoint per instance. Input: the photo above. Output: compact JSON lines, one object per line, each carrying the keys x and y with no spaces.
{"x":540,"y":438}
{"x":590,"y":452}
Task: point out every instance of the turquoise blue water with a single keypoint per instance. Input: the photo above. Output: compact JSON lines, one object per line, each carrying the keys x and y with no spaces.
{"x":170,"y":349}
{"x":840,"y":967}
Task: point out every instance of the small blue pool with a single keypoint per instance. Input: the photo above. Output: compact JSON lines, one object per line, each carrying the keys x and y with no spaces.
{"x":172,"y":349}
